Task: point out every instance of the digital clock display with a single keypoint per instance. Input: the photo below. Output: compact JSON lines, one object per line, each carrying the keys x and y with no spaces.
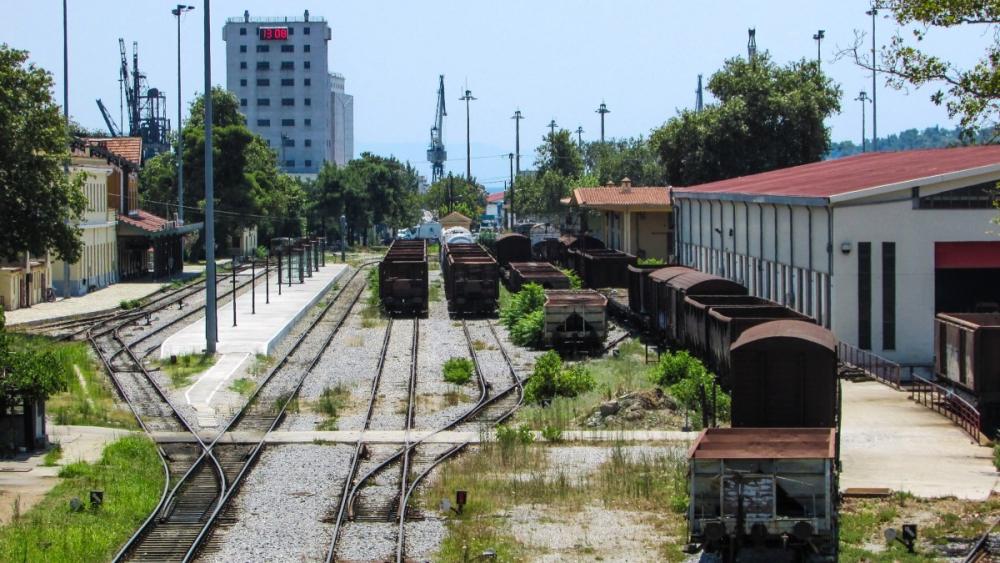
{"x":274,"y":33}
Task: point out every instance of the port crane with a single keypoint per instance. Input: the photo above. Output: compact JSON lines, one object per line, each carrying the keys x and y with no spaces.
{"x":436,"y":153}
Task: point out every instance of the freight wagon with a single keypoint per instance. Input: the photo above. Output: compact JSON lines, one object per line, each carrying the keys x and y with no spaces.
{"x":574,"y":318}
{"x":402,"y":277}
{"x":471,"y":279}
{"x":968,"y":356}
{"x":542,"y":273}
{"x":600,"y":267}
{"x":512,"y":247}
{"x":694,"y":316}
{"x":724,"y":325}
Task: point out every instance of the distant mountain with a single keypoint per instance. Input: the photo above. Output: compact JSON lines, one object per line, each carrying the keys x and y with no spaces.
{"x":930,"y":138}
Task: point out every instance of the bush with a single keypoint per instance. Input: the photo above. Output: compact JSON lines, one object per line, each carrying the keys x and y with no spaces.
{"x":686,"y":379}
{"x":129,"y":304}
{"x":574,"y":280}
{"x":531,"y":298}
{"x":650,"y":262}
{"x":673,"y":367}
{"x":552,"y":434}
{"x":510,"y":435}
{"x":527,"y":331}
{"x":457,"y":371}
{"x":550,"y":380}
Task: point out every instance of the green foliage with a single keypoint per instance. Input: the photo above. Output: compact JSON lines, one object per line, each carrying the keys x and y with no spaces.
{"x":541,"y":193}
{"x":660,"y":479}
{"x":243,"y":386}
{"x":129,"y":304}
{"x":551,"y":379}
{"x":574,"y":279}
{"x":29,"y":371}
{"x":131,"y":476}
{"x":686,"y":379}
{"x":616,"y":159}
{"x":457,"y":371}
{"x":468,"y":198}
{"x":767,"y":117}
{"x":996,"y":452}
{"x":527,"y":331}
{"x":912,"y":139}
{"x":531,"y":298}
{"x":559,"y":153}
{"x":650,"y":262}
{"x":41,"y":204}
{"x":552,"y":434}
{"x":187,"y":365}
{"x":332,"y":401}
{"x":675,"y":366}
{"x":514,"y":435}
{"x":53,"y":455}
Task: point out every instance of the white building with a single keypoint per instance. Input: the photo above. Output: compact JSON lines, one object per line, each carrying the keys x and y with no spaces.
{"x":872,"y":245}
{"x":278,"y":68}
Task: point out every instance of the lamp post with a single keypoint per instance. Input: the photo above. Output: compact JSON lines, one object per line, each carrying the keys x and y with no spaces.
{"x":579,"y":136}
{"x":874,"y":12}
{"x":211,"y":321}
{"x":863,"y":97}
{"x":552,"y":128}
{"x":468,"y":143}
{"x":818,"y":38}
{"x":510,"y":214}
{"x":602,"y":109}
{"x":343,"y":239}
{"x":180,"y":9}
{"x":66,"y":289}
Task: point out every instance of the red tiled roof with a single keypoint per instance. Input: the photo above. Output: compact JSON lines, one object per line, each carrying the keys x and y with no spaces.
{"x":145,"y":220}
{"x":129,"y":148}
{"x":495,"y":197}
{"x":619,"y":196}
{"x":831,"y":178}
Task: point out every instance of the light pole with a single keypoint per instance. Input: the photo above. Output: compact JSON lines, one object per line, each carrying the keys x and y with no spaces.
{"x":874,"y":12}
{"x":579,"y":136}
{"x":66,"y":290}
{"x":510,"y":212}
{"x":211,"y":320}
{"x":552,"y":128}
{"x":468,"y":146}
{"x":602,"y":109}
{"x":818,"y":37}
{"x":863,"y":97}
{"x":517,"y":117}
{"x":180,"y":9}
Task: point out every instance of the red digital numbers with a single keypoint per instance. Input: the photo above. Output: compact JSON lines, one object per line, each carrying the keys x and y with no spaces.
{"x":274,"y":33}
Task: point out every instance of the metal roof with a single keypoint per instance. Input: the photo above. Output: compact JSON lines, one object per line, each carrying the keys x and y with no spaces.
{"x":700,"y":281}
{"x":795,"y":329}
{"x":670,"y":272}
{"x":765,"y":443}
{"x":853,"y":176}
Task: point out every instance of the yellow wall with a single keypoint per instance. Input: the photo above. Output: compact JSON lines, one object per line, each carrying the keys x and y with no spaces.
{"x":98,"y":264}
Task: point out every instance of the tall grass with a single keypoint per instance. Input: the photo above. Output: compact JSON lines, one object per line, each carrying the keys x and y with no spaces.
{"x":131,"y":476}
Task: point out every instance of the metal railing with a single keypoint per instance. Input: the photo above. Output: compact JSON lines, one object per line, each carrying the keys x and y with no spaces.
{"x":944,"y":401}
{"x":878,"y":368}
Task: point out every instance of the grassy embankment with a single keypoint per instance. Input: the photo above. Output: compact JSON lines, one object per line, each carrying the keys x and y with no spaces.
{"x":131,"y":476}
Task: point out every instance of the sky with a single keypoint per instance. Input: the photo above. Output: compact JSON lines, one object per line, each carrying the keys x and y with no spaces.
{"x":553,"y":59}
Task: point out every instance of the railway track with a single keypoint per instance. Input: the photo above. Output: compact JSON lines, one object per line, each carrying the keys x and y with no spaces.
{"x":186,"y":518}
{"x":987,"y":547}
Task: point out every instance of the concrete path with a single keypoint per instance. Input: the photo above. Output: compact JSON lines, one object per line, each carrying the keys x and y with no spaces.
{"x":399,"y":436}
{"x":257,"y":333}
{"x":200,"y":394}
{"x":889,"y":441}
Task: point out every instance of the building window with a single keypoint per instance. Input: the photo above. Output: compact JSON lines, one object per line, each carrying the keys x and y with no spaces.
{"x":308,"y":101}
{"x":263,"y":48}
{"x":263,"y":82}
{"x":309,"y":163}
{"x":289,"y":163}
{"x":243,"y":31}
{"x":309,"y":142}
{"x":263,"y":101}
{"x":243,"y":81}
{"x":288,"y":82}
{"x":306,"y":30}
{"x":307,"y":81}
{"x":287,"y":65}
{"x":287,"y":142}
{"x":243,"y":65}
{"x":308,"y":122}
{"x":243,"y":102}
{"x":263,"y":123}
{"x":865,"y":295}
{"x":306,"y":64}
{"x":291,"y":31}
{"x":288,"y":48}
{"x":888,"y":296}
{"x":263,"y":65}
{"x":288,"y":101}
{"x":243,"y":48}
{"x":979,"y":196}
{"x":288,"y":123}
{"x":307,"y":48}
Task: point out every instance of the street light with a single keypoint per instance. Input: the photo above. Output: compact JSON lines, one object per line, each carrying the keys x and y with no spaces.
{"x":863,"y":97}
{"x":552,"y":128}
{"x":874,"y":12}
{"x":468,"y":146}
{"x":180,"y":9}
{"x":211,"y":319}
{"x":602,"y":109}
{"x":818,"y":38}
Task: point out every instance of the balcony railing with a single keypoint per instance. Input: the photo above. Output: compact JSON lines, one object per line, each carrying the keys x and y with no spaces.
{"x":944,"y":401}
{"x":876,"y":367}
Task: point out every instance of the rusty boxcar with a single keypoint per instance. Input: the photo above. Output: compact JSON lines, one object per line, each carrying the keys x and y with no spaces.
{"x":574,"y":318}
{"x":542,"y":273}
{"x":402,"y":277}
{"x":724,"y":325}
{"x":512,"y":247}
{"x":670,"y":296}
{"x":694,"y":314}
{"x":471,"y":279}
{"x":636,"y":284}
{"x":600,"y":267}
{"x":967,"y":349}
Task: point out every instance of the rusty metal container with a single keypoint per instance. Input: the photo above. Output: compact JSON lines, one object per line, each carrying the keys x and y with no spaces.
{"x":542,"y":273}
{"x":513,"y":247}
{"x":601,"y":268}
{"x":403,"y":278}
{"x":654,"y":295}
{"x":724,"y":325}
{"x":574,"y":318}
{"x":694,"y":314}
{"x":784,"y":375}
{"x":548,"y":250}
{"x":636,"y":283}
{"x":472,"y":279}
{"x":671,"y":294}
{"x":967,"y":347}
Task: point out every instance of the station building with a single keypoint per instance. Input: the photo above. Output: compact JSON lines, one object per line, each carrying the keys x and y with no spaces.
{"x":635,"y":220}
{"x":872,"y":245}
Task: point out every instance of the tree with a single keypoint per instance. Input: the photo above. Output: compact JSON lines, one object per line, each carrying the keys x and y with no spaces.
{"x":40,"y":203}
{"x":541,"y":193}
{"x":972,"y":94}
{"x":26,"y":373}
{"x":468,"y":198}
{"x":767,"y":117}
{"x":559,"y":153}
{"x":633,"y":158}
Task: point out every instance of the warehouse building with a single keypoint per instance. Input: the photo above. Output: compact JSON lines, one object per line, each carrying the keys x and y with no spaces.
{"x":872,"y":245}
{"x":635,"y":220}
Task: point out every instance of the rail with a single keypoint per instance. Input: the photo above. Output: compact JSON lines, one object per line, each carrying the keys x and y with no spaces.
{"x":945,"y":401}
{"x":875,"y":366}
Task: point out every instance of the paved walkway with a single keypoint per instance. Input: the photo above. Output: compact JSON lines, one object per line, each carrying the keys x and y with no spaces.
{"x":889,"y":441}
{"x":201,"y":393}
{"x":258,"y":333}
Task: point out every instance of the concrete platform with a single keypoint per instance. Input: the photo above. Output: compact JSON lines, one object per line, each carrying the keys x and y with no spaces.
{"x":889,"y":441}
{"x":259,"y":333}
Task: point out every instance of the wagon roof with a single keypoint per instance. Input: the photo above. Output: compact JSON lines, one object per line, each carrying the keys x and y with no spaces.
{"x":972,"y":320}
{"x":695,"y":280}
{"x":799,"y":330}
{"x":669,"y":272}
{"x":574,"y":297}
{"x":511,"y":235}
{"x":765,"y":443}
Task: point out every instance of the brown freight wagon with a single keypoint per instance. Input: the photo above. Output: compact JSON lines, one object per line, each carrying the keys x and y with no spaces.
{"x":967,"y":349}
{"x":576,"y":242}
{"x":548,"y":250}
{"x":575,"y":318}
{"x":636,"y":282}
{"x":671,"y":293}
{"x":472,"y":280}
{"x":512,"y":247}
{"x":600,"y":268}
{"x":724,"y":325}
{"x":784,"y":376}
{"x":402,"y":276}
{"x":654,"y":296}
{"x":542,"y":273}
{"x":694,"y":314}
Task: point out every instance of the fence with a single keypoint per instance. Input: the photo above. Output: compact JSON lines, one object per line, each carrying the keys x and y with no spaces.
{"x":944,"y":401}
{"x":876,"y":367}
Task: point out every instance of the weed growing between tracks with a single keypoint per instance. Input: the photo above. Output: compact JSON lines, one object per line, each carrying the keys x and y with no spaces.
{"x":331,"y":402}
{"x":180,"y":372}
{"x":942,"y":524}
{"x":131,"y":476}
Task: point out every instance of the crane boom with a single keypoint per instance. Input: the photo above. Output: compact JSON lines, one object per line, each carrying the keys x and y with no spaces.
{"x":436,"y":153}
{"x":112,"y":126}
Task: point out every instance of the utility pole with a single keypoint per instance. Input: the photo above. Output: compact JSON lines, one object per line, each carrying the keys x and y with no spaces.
{"x":180,"y":9}
{"x":510,"y":212}
{"x":468,"y":143}
{"x":211,"y":321}
{"x":818,"y":38}
{"x":66,"y":291}
{"x":552,"y":128}
{"x":517,"y":117}
{"x":699,"y":101}
{"x":874,"y":12}
{"x":752,"y":45}
{"x":863,"y":97}
{"x":602,"y":109}
{"x":579,"y":136}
